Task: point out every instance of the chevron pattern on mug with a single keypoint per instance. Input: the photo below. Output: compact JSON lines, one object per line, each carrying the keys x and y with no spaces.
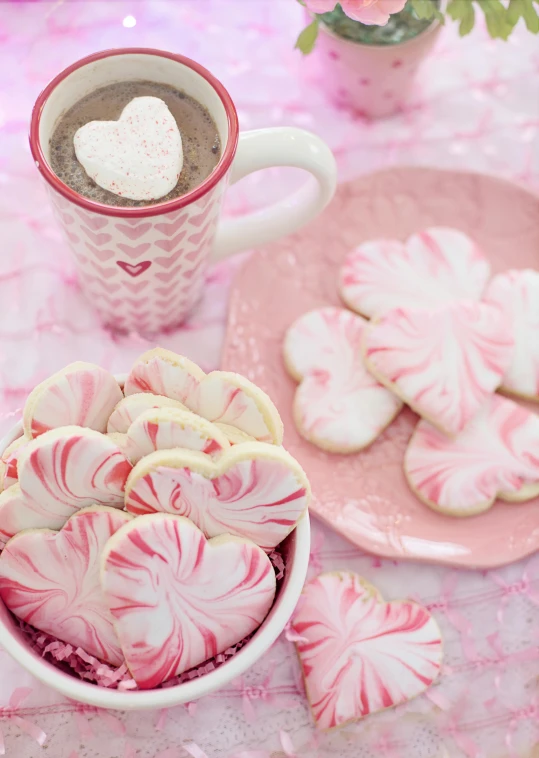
{"x":142,"y":274}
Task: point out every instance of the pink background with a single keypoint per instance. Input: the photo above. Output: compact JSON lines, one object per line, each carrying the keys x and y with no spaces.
{"x":476,"y":107}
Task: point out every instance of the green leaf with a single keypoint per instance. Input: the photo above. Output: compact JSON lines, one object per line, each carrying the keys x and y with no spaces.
{"x":467,"y":20}
{"x":463,"y":11}
{"x":515,"y":11}
{"x":427,"y":9}
{"x":530,"y":17}
{"x":423,"y":8}
{"x":523,"y":9}
{"x":307,"y":38}
{"x":496,"y":17}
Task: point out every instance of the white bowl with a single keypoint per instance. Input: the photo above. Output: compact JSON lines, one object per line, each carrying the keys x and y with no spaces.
{"x":295,"y":550}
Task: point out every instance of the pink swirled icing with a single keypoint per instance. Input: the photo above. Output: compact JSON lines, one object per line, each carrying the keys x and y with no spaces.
{"x":177,"y":599}
{"x":130,"y":408}
{"x":169,"y":428}
{"x":517,"y":294}
{"x":497,"y":455}
{"x":253,"y":490}
{"x":81,"y":394}
{"x":338,"y":405}
{"x":162,"y":372}
{"x":444,"y":362}
{"x":359,"y":654}
{"x":435,"y":266}
{"x":227,"y":398}
{"x":221,"y":397}
{"x":59,"y":472}
{"x":9,"y":462}
{"x":51,"y":580}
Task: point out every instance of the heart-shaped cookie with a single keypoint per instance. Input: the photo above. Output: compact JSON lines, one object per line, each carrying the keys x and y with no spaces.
{"x":221,"y":397}
{"x":497,"y":455}
{"x":517,"y":294}
{"x":178,"y":599}
{"x":60,"y":472}
{"x":9,"y":462}
{"x":360,"y":654}
{"x":139,"y":156}
{"x":253,"y":490}
{"x":81,"y":394}
{"x":438,"y":265}
{"x":52,"y":581}
{"x":170,"y":428}
{"x":445,"y":362}
{"x":339,"y":406}
{"x":130,"y":408}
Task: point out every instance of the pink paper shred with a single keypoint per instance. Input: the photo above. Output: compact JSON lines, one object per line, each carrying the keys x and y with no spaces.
{"x":85,"y":666}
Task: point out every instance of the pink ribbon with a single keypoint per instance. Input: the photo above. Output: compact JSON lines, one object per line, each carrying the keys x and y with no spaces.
{"x":453,"y":729}
{"x":522,"y":587}
{"x":161,"y":720}
{"x":315,"y":559}
{"x":83,"y":725}
{"x":287,"y":744}
{"x":251,"y":693}
{"x":193,"y":749}
{"x":15,"y":701}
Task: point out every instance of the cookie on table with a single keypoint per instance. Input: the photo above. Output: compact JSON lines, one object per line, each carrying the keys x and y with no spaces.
{"x":444,"y":362}
{"x":435,"y":266}
{"x":496,"y":456}
{"x":338,"y":406}
{"x":517,"y":294}
{"x":360,"y":654}
{"x":253,"y":490}
{"x":52,"y":580}
{"x":220,"y":397}
{"x":81,"y":394}
{"x":213,"y":593}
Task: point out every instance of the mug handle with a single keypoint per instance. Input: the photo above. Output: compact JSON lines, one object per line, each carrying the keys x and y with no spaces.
{"x":281,"y":146}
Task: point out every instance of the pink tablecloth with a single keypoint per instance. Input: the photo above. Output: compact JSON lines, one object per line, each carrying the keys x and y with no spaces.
{"x":476,"y":107}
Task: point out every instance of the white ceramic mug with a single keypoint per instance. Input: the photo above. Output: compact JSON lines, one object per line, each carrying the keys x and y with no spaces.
{"x":295,"y":550}
{"x":143,"y":268}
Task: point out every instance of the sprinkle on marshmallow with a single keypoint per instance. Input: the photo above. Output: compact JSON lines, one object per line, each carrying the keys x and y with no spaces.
{"x":139,"y":157}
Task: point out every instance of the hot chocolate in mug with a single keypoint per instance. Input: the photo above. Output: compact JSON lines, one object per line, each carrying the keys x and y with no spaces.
{"x":143,"y":267}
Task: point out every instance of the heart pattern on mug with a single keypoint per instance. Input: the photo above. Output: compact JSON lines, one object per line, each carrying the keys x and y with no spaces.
{"x":181,"y":263}
{"x":132,"y":269}
{"x":134,"y":252}
{"x":254,"y":491}
{"x":443,"y":362}
{"x":212,"y":594}
{"x":360,"y":654}
{"x":52,"y":581}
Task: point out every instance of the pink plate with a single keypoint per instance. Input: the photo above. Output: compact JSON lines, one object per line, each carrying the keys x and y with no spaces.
{"x":365,"y":496}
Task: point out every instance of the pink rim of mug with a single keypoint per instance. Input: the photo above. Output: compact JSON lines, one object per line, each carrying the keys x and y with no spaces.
{"x":148,"y":210}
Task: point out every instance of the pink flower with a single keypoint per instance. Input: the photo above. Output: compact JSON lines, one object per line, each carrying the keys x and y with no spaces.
{"x":369,"y":12}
